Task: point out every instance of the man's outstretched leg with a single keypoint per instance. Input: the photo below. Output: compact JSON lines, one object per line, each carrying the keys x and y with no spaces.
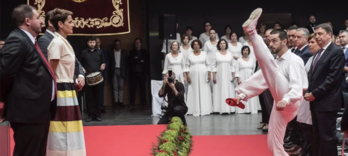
{"x":285,"y":77}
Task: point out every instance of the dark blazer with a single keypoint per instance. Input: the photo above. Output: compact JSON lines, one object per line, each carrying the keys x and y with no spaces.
{"x":305,"y":54}
{"x":133,"y":60}
{"x":45,"y":40}
{"x":124,"y":63}
{"x":325,"y":80}
{"x":310,"y":29}
{"x":29,"y":95}
{"x":344,"y":82}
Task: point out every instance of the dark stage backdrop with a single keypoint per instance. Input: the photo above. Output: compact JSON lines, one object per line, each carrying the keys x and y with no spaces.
{"x":221,"y":13}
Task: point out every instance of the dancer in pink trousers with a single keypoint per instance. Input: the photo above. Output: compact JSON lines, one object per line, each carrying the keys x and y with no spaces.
{"x":285,"y":77}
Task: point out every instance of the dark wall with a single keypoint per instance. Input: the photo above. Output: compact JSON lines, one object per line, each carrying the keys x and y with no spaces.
{"x":222,"y":12}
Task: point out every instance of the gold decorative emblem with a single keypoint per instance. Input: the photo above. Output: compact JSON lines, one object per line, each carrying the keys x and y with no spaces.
{"x":116,"y":20}
{"x":79,"y":1}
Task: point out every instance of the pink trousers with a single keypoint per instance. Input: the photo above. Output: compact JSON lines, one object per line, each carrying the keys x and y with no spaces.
{"x":270,"y":77}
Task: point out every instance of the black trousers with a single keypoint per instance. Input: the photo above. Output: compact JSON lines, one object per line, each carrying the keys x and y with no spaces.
{"x":138,"y":79}
{"x":294,"y":131}
{"x":324,"y":133}
{"x":30,"y":139}
{"x":307,"y":140}
{"x":93,"y":99}
{"x":264,"y":111}
{"x":178,"y":111}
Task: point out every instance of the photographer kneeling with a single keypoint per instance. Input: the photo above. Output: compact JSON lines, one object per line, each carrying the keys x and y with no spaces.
{"x":175,"y":91}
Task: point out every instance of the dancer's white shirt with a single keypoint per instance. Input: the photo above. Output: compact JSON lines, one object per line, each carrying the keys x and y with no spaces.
{"x":291,"y":66}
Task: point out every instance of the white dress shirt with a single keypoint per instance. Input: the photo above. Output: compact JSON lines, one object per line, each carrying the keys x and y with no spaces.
{"x":292,"y":67}
{"x":33,"y":40}
{"x":117,"y":58}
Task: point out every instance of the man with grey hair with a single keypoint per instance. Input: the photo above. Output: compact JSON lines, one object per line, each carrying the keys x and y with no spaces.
{"x":324,"y":91}
{"x":301,"y":42}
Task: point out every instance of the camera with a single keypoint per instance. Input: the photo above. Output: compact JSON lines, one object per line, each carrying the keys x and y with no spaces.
{"x":170,"y":78}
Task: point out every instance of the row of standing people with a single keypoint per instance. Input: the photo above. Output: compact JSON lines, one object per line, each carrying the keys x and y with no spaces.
{"x":211,"y":72}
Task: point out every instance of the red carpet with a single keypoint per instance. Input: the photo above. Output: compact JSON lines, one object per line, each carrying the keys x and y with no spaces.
{"x":120,"y":140}
{"x":227,"y":145}
{"x":138,"y":141}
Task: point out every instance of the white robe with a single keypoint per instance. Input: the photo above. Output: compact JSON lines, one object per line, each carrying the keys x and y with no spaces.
{"x":223,"y":66}
{"x":177,"y":64}
{"x":244,"y":70}
{"x":199,"y":100}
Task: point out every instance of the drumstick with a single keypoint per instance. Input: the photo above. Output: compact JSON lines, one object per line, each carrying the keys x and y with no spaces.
{"x":343,"y":143}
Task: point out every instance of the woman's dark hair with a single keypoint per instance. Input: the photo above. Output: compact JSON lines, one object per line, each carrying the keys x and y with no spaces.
{"x":199,"y":43}
{"x":59,"y":15}
{"x":188,"y":28}
{"x":228,"y":26}
{"x":183,"y":37}
{"x":245,"y":47}
{"x":232,"y":32}
{"x":207,"y":22}
{"x":218,"y":44}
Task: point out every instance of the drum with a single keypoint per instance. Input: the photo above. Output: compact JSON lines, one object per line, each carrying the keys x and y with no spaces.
{"x":94,"y":78}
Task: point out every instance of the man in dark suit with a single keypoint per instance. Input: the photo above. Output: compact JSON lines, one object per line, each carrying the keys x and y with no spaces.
{"x":312,"y":20}
{"x":324,"y":91}
{"x":31,"y":99}
{"x":45,"y":40}
{"x":301,"y":42}
{"x":344,"y":45}
{"x":139,"y":63}
{"x":118,"y":70}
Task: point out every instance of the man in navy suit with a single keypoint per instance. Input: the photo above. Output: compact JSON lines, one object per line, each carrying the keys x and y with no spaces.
{"x":301,"y":41}
{"x":325,"y":91}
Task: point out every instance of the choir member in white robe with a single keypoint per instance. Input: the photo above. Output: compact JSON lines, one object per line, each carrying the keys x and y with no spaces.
{"x":252,"y":55}
{"x":188,"y":32}
{"x":185,"y":49}
{"x":234,"y":46}
{"x":285,"y":77}
{"x":198,"y":69}
{"x":245,"y":68}
{"x":175,"y":61}
{"x":223,"y":76}
{"x":243,"y":38}
{"x":205,"y":36}
{"x":227,"y":36}
{"x":210,"y":47}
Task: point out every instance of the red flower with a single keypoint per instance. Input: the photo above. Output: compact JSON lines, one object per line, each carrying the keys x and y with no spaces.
{"x":175,"y":154}
{"x":165,"y":140}
{"x":181,"y":138}
{"x":163,"y":151}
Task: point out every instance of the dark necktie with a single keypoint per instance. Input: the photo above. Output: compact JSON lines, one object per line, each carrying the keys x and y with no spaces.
{"x":293,"y":49}
{"x":48,"y":66}
{"x":317,"y":58}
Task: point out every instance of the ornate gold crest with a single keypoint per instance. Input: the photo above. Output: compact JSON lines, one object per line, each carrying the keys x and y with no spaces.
{"x":116,"y":19}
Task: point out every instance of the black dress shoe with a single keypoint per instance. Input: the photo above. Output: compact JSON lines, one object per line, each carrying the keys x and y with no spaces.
{"x":98,"y":119}
{"x":89,"y":119}
{"x":292,"y":149}
{"x":289,"y":145}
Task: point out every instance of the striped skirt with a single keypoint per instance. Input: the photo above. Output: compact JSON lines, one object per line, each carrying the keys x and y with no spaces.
{"x":66,"y":136}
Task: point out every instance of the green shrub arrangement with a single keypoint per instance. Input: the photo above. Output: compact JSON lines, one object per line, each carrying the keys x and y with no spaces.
{"x":175,"y":141}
